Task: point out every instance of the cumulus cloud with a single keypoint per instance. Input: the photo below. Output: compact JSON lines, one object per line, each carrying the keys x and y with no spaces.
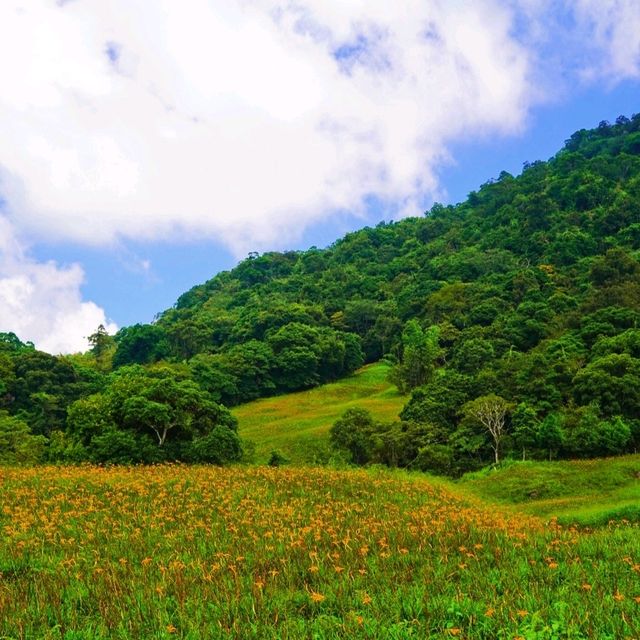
{"x":588,"y":40}
{"x":42,"y":302}
{"x":614,"y":27}
{"x":244,"y":120}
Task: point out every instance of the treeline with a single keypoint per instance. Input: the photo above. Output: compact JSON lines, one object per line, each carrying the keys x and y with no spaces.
{"x":529,"y":292}
{"x":65,"y":409}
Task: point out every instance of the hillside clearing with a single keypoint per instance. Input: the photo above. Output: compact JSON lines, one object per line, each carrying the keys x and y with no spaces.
{"x":298,"y":424}
{"x":585,"y":492}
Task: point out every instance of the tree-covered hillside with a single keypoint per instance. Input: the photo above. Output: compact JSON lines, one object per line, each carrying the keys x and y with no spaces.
{"x":526,"y":295}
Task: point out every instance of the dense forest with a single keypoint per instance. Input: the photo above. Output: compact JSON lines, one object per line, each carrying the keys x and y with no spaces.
{"x":512,"y":319}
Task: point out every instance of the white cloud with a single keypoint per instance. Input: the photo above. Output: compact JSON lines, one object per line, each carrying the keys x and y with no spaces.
{"x":236,"y":120}
{"x":42,"y":302}
{"x":614,"y":27}
{"x":596,"y":41}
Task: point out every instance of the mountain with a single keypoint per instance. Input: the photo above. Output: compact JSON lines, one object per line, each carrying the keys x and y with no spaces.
{"x":528,"y":291}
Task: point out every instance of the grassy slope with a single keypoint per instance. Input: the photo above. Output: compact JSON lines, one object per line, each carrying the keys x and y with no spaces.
{"x":587,"y":492}
{"x":298,"y":424}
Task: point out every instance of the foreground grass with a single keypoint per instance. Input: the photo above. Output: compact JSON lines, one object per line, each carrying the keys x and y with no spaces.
{"x":584,"y":492}
{"x":298,"y":424}
{"x":197,"y":552}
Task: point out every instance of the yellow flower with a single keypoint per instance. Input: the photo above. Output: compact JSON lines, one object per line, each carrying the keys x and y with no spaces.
{"x":317,"y":597}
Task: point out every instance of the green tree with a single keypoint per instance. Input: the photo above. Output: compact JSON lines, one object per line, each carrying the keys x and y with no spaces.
{"x":352,"y":433}
{"x":103,"y":347}
{"x":420,"y":353}
{"x":551,"y":435}
{"x":140,"y":344}
{"x":526,"y":425}
{"x":17,"y":444}
{"x":613,"y":382}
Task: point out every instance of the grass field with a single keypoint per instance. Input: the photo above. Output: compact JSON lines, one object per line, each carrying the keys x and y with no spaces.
{"x":528,"y":551}
{"x":585,"y":492}
{"x":298,"y":424}
{"x":292,"y":553}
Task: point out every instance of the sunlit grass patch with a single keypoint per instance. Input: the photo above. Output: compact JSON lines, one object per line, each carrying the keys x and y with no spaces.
{"x":585,"y":492}
{"x":298,"y":424}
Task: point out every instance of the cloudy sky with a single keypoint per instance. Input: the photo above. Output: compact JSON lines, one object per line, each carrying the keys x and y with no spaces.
{"x":146,"y":145}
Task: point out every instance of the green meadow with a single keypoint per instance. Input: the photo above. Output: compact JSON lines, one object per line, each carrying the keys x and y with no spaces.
{"x":583,"y":492}
{"x":297,"y":424}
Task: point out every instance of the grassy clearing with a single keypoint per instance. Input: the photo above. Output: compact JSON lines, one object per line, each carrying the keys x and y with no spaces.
{"x":298,"y":424}
{"x":585,"y":492}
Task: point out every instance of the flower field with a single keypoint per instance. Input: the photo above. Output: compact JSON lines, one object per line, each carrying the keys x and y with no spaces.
{"x":204,"y":552}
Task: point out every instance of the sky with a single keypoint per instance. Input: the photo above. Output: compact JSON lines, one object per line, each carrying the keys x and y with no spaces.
{"x":145,"y":146}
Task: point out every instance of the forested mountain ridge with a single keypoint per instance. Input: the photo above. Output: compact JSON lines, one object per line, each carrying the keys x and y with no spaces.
{"x":529,"y":291}
{"x":544,"y":233}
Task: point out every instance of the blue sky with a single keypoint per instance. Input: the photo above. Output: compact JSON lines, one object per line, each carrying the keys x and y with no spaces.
{"x":142,"y":151}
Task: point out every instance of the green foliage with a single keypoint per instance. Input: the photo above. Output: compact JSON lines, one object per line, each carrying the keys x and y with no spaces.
{"x":420,"y":352}
{"x":140,"y":344}
{"x":145,"y":415}
{"x":276,"y":459}
{"x":219,"y":446}
{"x":17,"y":445}
{"x":353,"y":433}
{"x":103,"y":347}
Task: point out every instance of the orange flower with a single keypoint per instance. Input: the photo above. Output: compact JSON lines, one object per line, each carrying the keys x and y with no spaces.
{"x":171,"y":628}
{"x":316,"y":597}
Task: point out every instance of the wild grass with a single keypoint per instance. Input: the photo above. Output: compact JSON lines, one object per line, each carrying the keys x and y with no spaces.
{"x":584,"y":492}
{"x":290,"y":553}
{"x":298,"y":424}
